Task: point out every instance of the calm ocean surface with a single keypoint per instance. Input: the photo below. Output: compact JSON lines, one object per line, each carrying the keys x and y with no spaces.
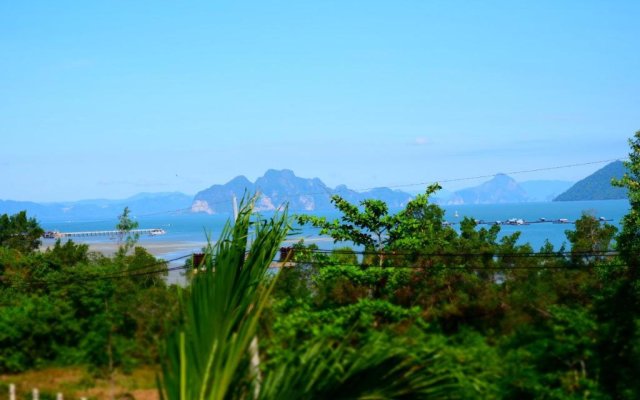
{"x":192,"y":229}
{"x":195,"y":227}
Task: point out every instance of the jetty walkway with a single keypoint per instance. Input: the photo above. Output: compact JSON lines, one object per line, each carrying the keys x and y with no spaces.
{"x":116,"y":233}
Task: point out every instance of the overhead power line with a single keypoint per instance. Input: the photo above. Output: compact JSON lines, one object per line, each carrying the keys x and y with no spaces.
{"x":146,"y":269}
{"x":517,"y":172}
{"x":480,"y":268}
{"x":155,"y":264}
{"x":463,"y":254}
{"x":449,"y":180}
{"x":126,"y":273}
{"x":328,"y":192}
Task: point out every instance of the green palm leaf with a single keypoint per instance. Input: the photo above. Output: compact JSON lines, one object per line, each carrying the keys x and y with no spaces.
{"x":208,"y":357}
{"x":208,"y":354}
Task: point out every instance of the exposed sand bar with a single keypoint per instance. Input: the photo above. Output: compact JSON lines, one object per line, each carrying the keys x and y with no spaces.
{"x":162,"y":249}
{"x":158,"y":249}
{"x":169,"y":250}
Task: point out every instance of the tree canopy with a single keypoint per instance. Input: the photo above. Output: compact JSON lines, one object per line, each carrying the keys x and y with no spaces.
{"x":19,"y":232}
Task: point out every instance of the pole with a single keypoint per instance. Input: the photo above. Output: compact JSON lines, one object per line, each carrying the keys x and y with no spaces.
{"x":235,"y":208}
{"x":254,"y":364}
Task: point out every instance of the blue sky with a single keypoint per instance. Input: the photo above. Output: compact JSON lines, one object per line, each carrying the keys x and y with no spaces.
{"x":108,"y":99}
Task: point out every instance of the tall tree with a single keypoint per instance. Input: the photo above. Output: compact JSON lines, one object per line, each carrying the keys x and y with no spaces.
{"x":619,"y":312}
{"x":19,"y":232}
{"x":126,"y":238}
{"x":417,"y":226}
{"x":629,"y":238}
{"x":590,"y":240}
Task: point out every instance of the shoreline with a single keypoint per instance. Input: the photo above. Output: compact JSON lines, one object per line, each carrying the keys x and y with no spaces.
{"x":166,"y":249}
{"x":157,"y":249}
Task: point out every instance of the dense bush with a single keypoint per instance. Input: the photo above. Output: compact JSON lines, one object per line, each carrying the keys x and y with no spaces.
{"x":58,"y":310}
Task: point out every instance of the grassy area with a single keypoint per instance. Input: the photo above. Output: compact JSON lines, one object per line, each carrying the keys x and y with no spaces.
{"x":76,"y":382}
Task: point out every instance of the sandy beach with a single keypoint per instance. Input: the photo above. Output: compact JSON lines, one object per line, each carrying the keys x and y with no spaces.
{"x":158,"y":249}
{"x":167,"y":249}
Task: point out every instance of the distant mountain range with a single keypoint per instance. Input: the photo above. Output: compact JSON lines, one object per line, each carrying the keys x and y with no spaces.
{"x":504,"y":189}
{"x":500,"y":189}
{"x":597,"y":186}
{"x":277,"y":187}
{"x":147,"y":203}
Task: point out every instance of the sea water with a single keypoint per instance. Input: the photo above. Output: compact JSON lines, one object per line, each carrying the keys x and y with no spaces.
{"x":536,"y":234}
{"x":193,"y":230}
{"x":198,"y":227}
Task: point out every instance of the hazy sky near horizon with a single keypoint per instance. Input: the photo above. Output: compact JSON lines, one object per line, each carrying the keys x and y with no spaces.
{"x":108,"y":99}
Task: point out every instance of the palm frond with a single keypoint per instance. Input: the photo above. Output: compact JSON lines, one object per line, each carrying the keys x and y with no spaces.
{"x":207,"y":354}
{"x":328,"y":370}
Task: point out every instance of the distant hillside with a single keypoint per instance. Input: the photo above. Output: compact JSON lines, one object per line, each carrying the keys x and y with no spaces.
{"x":143,"y":203}
{"x":597,"y":186}
{"x":279,"y":187}
{"x":33,"y":209}
{"x":500,"y":189}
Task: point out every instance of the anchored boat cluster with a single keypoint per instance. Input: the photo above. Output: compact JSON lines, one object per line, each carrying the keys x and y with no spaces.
{"x":520,"y":221}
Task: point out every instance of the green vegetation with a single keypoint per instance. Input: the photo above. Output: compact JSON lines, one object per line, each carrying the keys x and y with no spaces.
{"x":19,"y":232}
{"x":597,"y":186}
{"x":67,"y":306}
{"x":423,"y":311}
{"x":212,"y":354}
{"x":126,"y":237}
{"x":507,"y":323}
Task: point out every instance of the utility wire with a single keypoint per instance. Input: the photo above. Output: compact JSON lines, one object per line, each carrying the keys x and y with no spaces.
{"x":525,"y":171}
{"x":139,"y":271}
{"x":328,"y":192}
{"x":443,"y":254}
{"x":473,"y":268}
{"x":434,"y":268}
{"x":142,"y":271}
{"x":159,"y":262}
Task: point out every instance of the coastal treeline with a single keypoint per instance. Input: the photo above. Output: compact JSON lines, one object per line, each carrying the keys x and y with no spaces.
{"x":409,"y":308}
{"x":69,"y":306}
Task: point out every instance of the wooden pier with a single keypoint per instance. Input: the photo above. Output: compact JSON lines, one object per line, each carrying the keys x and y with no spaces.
{"x":116,"y":233}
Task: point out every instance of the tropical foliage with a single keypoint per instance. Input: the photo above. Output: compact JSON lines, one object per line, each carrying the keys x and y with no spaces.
{"x":214,"y":354}
{"x":68,"y":306}
{"x":409,"y":307}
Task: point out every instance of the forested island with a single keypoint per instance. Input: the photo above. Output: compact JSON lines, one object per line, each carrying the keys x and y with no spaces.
{"x":597,"y":186}
{"x":417,"y":309}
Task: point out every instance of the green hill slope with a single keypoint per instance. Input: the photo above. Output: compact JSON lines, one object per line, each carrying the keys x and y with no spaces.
{"x":597,"y":186}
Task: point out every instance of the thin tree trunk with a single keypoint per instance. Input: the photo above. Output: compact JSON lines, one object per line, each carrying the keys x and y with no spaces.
{"x":110,"y":352}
